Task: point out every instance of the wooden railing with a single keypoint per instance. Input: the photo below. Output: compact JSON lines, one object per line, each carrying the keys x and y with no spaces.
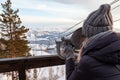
{"x":21,"y":64}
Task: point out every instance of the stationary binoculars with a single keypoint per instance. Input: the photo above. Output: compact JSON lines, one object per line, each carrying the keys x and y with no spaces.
{"x":60,"y":46}
{"x":75,"y":41}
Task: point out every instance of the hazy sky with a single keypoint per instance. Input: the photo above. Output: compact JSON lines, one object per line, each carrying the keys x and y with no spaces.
{"x":56,"y":13}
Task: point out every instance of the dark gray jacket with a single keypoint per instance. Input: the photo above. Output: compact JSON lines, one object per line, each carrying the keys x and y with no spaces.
{"x":100,"y":59}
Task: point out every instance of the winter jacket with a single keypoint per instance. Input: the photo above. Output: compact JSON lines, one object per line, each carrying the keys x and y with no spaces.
{"x":100,"y":59}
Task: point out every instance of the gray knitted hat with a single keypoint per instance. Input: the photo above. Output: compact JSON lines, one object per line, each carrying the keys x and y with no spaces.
{"x":98,"y":21}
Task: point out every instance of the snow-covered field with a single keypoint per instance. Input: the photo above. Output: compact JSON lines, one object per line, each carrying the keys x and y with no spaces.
{"x":47,"y":73}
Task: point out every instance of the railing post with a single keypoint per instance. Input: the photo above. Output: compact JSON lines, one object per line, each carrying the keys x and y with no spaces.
{"x":22,"y":72}
{"x":22,"y":75}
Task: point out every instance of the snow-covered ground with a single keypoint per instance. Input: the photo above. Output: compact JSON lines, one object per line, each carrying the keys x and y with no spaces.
{"x":47,"y":73}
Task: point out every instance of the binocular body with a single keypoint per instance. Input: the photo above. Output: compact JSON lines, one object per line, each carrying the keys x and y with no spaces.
{"x":75,"y":40}
{"x":60,"y":46}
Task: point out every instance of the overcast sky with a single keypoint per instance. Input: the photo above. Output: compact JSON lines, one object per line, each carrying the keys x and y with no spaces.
{"x":56,"y":13}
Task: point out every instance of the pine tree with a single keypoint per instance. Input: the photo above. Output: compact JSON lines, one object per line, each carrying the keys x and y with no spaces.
{"x":13,"y":34}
